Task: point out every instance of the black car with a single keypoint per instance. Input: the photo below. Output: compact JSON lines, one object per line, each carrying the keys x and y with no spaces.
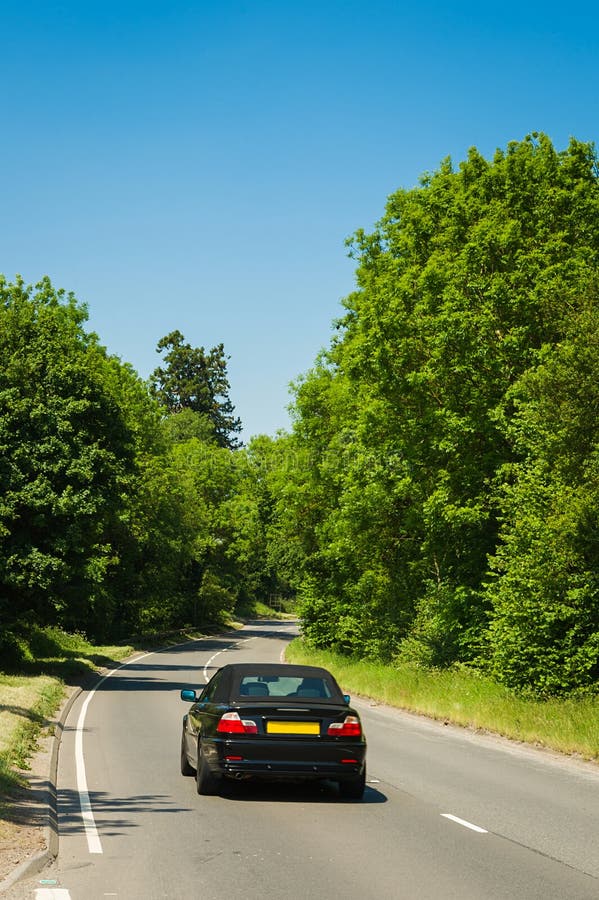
{"x":273,"y":721}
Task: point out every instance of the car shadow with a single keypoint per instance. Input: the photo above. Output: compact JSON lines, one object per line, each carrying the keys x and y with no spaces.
{"x":294,"y":792}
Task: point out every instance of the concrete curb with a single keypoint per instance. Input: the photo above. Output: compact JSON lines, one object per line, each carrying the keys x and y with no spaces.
{"x":36,"y":863}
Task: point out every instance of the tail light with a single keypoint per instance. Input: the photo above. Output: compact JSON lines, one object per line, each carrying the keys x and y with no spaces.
{"x":230,"y":723}
{"x":350,"y":727}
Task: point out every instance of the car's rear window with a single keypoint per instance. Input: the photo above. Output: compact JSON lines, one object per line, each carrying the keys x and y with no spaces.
{"x":290,"y":686}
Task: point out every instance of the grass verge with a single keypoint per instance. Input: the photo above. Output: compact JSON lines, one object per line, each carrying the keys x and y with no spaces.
{"x":259,"y":610}
{"x":465,"y":698}
{"x":26,"y":703}
{"x":29,"y":699}
{"x":51,"y":660}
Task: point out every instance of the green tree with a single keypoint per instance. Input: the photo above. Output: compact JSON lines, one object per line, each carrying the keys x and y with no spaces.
{"x":268,"y":470}
{"x":462,"y":286}
{"x":66,"y":460}
{"x":229,"y":546}
{"x":155,"y":540}
{"x":114,"y":519}
{"x":544,"y":633}
{"x":196,"y":380}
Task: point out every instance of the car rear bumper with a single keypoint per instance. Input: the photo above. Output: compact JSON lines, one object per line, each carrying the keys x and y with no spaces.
{"x":305,"y":759}
{"x":291,"y":771}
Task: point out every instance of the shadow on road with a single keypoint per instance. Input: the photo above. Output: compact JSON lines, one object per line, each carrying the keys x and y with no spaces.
{"x":318,"y":792}
{"x":147,"y":674}
{"x":113,"y":815}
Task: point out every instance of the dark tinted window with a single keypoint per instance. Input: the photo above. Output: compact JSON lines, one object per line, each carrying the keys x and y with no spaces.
{"x":257,"y":685}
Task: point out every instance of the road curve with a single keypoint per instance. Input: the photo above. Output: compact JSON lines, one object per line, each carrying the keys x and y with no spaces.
{"x":446,"y":814}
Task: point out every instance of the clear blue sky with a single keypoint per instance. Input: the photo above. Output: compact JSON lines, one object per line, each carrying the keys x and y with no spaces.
{"x":198,"y":165}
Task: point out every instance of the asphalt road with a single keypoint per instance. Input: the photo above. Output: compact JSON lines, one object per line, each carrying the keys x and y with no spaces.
{"x":146,"y":834}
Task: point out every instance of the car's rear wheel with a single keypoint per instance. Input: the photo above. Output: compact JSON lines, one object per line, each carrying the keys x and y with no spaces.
{"x":206,"y":781}
{"x":186,"y":769}
{"x":353,"y":788}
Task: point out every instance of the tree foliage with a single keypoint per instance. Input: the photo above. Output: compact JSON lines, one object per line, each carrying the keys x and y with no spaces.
{"x":545,"y":630}
{"x":67,"y":457}
{"x":196,"y":380}
{"x":436,"y":500}
{"x":113,"y":519}
{"x":428,"y":453}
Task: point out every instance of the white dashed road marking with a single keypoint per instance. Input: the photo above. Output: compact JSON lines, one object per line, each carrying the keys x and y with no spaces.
{"x":465,"y":823}
{"x":207,"y":666}
{"x":52,"y":894}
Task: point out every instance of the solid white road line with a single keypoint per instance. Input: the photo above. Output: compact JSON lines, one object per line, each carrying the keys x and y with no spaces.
{"x":207,"y":677}
{"x":207,"y":666}
{"x":91,"y":832}
{"x":465,"y":823}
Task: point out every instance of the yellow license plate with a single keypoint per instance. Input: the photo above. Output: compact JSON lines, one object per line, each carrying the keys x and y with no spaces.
{"x":292,"y":728}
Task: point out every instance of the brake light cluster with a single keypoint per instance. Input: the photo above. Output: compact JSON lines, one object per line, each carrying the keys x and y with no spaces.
{"x":231,"y":723}
{"x":350,"y":727}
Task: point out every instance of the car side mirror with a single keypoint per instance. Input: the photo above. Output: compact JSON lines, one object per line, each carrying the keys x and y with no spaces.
{"x":347,"y":699}
{"x":189,"y":696}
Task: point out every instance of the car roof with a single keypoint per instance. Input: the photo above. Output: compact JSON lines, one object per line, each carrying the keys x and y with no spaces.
{"x":231,"y":675}
{"x":277,"y":669}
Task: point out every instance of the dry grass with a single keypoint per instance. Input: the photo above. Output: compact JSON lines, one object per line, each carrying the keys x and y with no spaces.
{"x":19,"y":696}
